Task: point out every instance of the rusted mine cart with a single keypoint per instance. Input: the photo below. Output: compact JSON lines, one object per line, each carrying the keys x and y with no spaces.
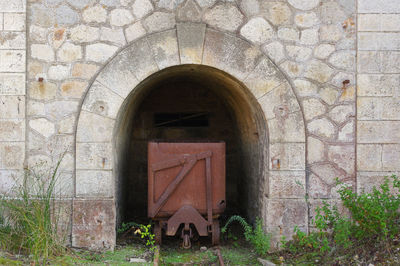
{"x":186,"y":186}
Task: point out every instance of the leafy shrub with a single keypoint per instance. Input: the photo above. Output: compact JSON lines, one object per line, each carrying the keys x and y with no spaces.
{"x":257,"y":237}
{"x":374,"y":219}
{"x":29,"y":218}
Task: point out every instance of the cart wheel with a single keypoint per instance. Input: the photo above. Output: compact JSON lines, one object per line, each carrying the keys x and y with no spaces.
{"x":157,"y":233}
{"x":215,"y":232}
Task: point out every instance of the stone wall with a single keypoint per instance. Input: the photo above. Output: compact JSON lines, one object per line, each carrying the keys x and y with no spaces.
{"x":12,"y":91}
{"x":378,"y":102}
{"x":312,"y":44}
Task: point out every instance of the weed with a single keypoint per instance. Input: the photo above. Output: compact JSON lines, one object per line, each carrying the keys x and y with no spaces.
{"x":29,"y":222}
{"x":144,"y":231}
{"x":257,"y":237}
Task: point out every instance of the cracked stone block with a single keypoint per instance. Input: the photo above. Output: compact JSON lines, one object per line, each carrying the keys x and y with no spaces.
{"x":42,"y":126}
{"x":100,"y":100}
{"x":257,"y":30}
{"x":12,"y":107}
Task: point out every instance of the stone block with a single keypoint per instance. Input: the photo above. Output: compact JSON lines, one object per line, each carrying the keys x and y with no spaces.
{"x":12,"y":6}
{"x":191,"y":40}
{"x":118,"y":76}
{"x":100,"y":100}
{"x":69,"y":52}
{"x":288,"y":34}
{"x":305,"y":87}
{"x":94,"y":128}
{"x":65,"y":15}
{"x":312,"y":108}
{"x":343,"y":60}
{"x":278,"y":13}
{"x":96,"y":14}
{"x":389,"y":61}
{"x":224,"y":16}
{"x":14,"y":21}
{"x":190,"y":11}
{"x":322,"y":127}
{"x":141,"y":8}
{"x":73,"y":89}
{"x":286,"y":212}
{"x":378,"y":41}
{"x":12,"y":107}
{"x":42,"y":90}
{"x":291,"y":156}
{"x":292,"y":69}
{"x":331,"y":33}
{"x":100,"y":52}
{"x":379,"y":6}
{"x":12,"y":84}
{"x":12,"y":155}
{"x":135,"y":31}
{"x":367,"y":180}
{"x":275,"y":51}
{"x":309,"y":37}
{"x":315,"y":150}
{"x":347,"y":132}
{"x":84,"y":71}
{"x":169,"y":4}
{"x":94,"y":156}
{"x":391,"y":157}
{"x":289,"y":128}
{"x":64,"y":188}
{"x":59,"y":72}
{"x":12,"y":60}
{"x":42,"y":126}
{"x":322,"y":51}
{"x":67,"y":125}
{"x":93,"y":224}
{"x":59,"y":109}
{"x":287,"y":185}
{"x":264,"y":78}
{"x":318,"y":71}
{"x":112,"y":35}
{"x":306,"y":19}
{"x":34,"y":108}
{"x":379,"y":22}
{"x":12,"y":129}
{"x":84,"y":33}
{"x":229,"y":53}
{"x":298,"y":53}
{"x":12,"y":40}
{"x":159,"y":21}
{"x":91,"y":183}
{"x":164,"y":46}
{"x":257,"y":30}
{"x":377,"y":85}
{"x":378,"y":131}
{"x":81,"y":4}
{"x":279,"y":102}
{"x":10,"y":179}
{"x":342,"y":113}
{"x":41,"y":15}
{"x":343,"y":156}
{"x":120,"y":17}
{"x":304,"y":5}
{"x":369,"y":157}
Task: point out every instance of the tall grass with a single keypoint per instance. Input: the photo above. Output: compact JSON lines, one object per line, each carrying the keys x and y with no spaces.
{"x":29,"y":218}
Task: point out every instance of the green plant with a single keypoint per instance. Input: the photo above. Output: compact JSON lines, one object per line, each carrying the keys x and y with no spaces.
{"x":257,"y":237}
{"x":30,"y":216}
{"x":144,"y":231}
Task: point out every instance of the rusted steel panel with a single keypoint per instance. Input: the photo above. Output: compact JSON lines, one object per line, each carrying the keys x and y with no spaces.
{"x":177,"y":176}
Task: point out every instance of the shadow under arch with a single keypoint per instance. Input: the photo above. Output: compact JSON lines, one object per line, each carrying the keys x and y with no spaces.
{"x":228,"y":111}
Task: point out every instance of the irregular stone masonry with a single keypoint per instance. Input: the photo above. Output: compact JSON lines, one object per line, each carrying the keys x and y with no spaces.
{"x":313,"y":46}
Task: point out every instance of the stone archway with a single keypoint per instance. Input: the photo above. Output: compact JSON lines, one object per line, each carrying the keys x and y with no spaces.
{"x":282,"y":205}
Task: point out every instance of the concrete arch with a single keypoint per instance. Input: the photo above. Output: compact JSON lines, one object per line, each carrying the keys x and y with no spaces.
{"x":188,"y":43}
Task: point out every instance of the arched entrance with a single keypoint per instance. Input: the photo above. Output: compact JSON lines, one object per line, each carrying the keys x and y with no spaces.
{"x":191,"y":103}
{"x":230,"y":85}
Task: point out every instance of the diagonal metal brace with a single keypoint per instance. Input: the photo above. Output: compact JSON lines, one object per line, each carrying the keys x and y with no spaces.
{"x":188,"y":162}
